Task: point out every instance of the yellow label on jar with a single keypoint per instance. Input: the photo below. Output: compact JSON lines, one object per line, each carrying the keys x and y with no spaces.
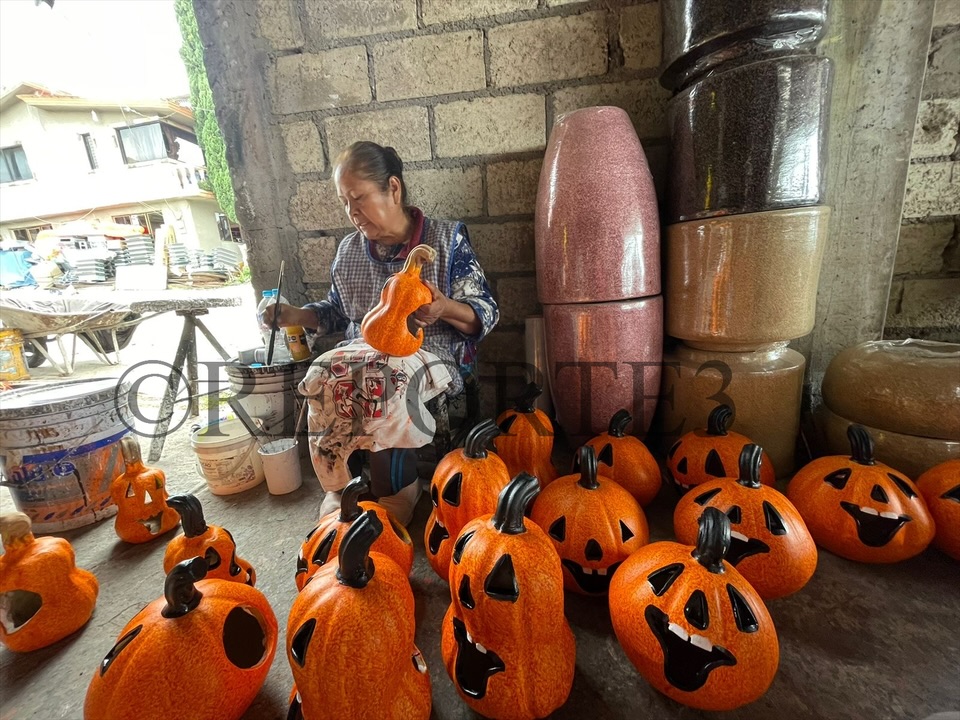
{"x":296,"y":339}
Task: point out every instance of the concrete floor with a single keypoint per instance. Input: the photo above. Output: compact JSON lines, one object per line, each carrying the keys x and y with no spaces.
{"x":859,"y":642}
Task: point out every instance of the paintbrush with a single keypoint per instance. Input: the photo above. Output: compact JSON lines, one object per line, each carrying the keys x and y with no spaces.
{"x":276,"y":318}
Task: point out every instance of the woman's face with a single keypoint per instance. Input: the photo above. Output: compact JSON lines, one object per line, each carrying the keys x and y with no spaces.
{"x":374,"y":212}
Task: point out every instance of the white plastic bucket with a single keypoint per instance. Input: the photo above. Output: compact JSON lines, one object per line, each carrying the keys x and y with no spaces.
{"x":269,"y":392}
{"x":281,"y":465}
{"x":227,"y":457}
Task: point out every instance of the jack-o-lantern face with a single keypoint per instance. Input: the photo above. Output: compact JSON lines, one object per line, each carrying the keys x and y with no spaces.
{"x":323,"y":542}
{"x":595,"y":524}
{"x":222,"y":634}
{"x":44,"y":596}
{"x":626,"y":460}
{"x":704,"y":455}
{"x":859,"y":508}
{"x":141,"y":498}
{"x":214,"y":544}
{"x":465,"y":486}
{"x":526,"y":440}
{"x":691,"y":624}
{"x":940,"y":487}
{"x":770,"y":544}
{"x":505,"y":641}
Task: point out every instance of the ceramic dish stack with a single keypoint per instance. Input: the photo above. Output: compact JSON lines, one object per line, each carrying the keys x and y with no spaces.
{"x":139,"y":250}
{"x":747,"y":226}
{"x":598,"y":272}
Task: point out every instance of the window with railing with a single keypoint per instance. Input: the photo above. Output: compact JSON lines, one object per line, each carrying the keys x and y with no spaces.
{"x":29,"y":234}
{"x":158,"y":141}
{"x":151,"y":221}
{"x":14,"y":165}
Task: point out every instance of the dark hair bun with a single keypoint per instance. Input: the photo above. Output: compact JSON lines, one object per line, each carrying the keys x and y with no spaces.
{"x":393,"y":161}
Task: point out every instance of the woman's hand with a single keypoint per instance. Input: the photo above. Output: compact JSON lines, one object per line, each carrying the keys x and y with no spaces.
{"x":435,"y":310}
{"x":458,"y":314}
{"x":289,"y":316}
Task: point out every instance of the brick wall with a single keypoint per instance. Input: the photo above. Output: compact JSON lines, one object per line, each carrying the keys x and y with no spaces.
{"x":925,"y":294}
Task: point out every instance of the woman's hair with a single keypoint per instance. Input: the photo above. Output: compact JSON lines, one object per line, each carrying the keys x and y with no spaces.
{"x":373,"y":162}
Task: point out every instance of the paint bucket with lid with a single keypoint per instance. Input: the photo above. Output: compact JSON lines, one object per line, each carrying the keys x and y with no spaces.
{"x":60,"y":450}
{"x":269,"y":393}
{"x":227,"y":457}
{"x":13,"y":364}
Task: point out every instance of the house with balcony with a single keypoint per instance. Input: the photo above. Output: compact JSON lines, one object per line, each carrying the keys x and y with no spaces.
{"x":108,"y":160}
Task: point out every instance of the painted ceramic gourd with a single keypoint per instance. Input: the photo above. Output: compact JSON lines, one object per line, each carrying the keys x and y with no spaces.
{"x":705,"y":454}
{"x":859,"y":508}
{"x":594,"y":523}
{"x":350,"y":636}
{"x":141,"y":497}
{"x":44,"y":596}
{"x":323,"y":542}
{"x":385,"y":327}
{"x":770,"y":544}
{"x":626,"y":459}
{"x":691,"y":624}
{"x":940,"y":487}
{"x":525,"y":442}
{"x":505,"y":641}
{"x":200,"y":652}
{"x":465,"y":485}
{"x":211,"y":542}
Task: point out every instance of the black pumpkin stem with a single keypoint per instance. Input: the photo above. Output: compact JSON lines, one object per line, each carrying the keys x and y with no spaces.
{"x":350,"y":497}
{"x":191,"y":514}
{"x":587,"y":460}
{"x":179,"y":590}
{"x":861,"y":445}
{"x":713,"y":539}
{"x":479,"y":438}
{"x":524,"y":402}
{"x":512,"y":503}
{"x":618,"y":423}
{"x":750,"y":458}
{"x":356,"y":568}
{"x":718,"y":422}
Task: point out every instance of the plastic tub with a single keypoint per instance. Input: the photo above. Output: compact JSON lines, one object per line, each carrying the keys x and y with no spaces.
{"x":227,"y":457}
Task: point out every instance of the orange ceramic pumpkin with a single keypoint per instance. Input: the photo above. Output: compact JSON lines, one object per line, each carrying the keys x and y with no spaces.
{"x":703,"y":455}
{"x":350,"y":636}
{"x":385,"y":327}
{"x":770,"y":544}
{"x":940,"y":487}
{"x":323,"y":542}
{"x":465,"y":486}
{"x":526,"y":440}
{"x":214,"y":544}
{"x":201,"y":652}
{"x":141,"y":498}
{"x":44,"y":596}
{"x":859,"y":508}
{"x":505,"y":641}
{"x":627,"y":460}
{"x":691,"y":624}
{"x":594,"y":523}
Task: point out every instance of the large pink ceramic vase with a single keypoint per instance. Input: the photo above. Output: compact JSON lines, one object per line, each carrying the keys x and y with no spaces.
{"x":597,"y":228}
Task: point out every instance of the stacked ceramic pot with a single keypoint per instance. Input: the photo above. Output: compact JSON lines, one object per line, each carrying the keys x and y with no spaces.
{"x":747,"y":224}
{"x":598,"y":272}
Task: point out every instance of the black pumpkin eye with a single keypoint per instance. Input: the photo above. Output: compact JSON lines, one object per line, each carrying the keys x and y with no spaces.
{"x":301,"y":641}
{"x":703,"y":498}
{"x":301,"y":563}
{"x":879,"y":495}
{"x":212,"y":558}
{"x":952,"y":494}
{"x":606,"y":455}
{"x":746,"y":620}
{"x":558,"y":529}
{"x":735,"y":515}
{"x":673,"y":449}
{"x":696,"y":612}
{"x":466,"y":597}
{"x":461,"y":545}
{"x":130,"y":491}
{"x":904,"y":487}
{"x":311,"y":533}
{"x":451,"y":491}
{"x":507,"y":424}
{"x":322,"y":553}
{"x":501,"y":583}
{"x":714,"y":465}
{"x":625,"y":532}
{"x":118,"y":648}
{"x":661,"y":580}
{"x":682,"y":466}
{"x":434,"y":496}
{"x":838,"y":478}
{"x":593,"y":552}
{"x":772,"y":520}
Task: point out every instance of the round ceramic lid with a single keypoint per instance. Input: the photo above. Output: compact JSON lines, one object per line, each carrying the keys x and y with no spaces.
{"x":55,"y":397}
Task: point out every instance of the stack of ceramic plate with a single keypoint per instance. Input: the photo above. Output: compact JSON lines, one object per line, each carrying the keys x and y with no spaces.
{"x":226,"y":258}
{"x":177,"y":255}
{"x":201,"y":260}
{"x":140,"y":250}
{"x":120,"y":258}
{"x":90,"y":270}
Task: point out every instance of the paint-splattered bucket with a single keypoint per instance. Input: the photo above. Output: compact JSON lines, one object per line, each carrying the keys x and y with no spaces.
{"x":227,"y":457}
{"x":60,"y":450}
{"x":13,"y":365}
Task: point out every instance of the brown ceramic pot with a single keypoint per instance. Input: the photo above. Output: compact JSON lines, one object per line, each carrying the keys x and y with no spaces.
{"x":627,"y":337}
{"x":910,"y":387}
{"x":763,"y":388}
{"x":739,"y":283}
{"x":597,"y":226}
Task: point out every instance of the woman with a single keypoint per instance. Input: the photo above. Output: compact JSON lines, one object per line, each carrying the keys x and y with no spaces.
{"x":364,"y":400}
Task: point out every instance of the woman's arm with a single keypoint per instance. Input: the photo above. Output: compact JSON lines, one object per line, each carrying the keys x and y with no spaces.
{"x":460,"y":315}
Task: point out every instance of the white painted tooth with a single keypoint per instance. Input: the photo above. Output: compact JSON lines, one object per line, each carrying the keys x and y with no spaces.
{"x":891,"y":515}
{"x":441,"y":524}
{"x":469,"y":638}
{"x":602,"y":571}
{"x":701,"y":642}
{"x":481,"y":648}
{"x":678,"y":631}
{"x":869,"y":511}
{"x":738,"y":536}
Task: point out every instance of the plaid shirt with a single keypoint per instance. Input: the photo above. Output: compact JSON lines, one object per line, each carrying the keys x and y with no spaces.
{"x":358,"y":276}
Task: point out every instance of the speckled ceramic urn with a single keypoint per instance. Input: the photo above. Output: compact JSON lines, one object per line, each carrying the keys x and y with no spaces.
{"x":699,"y":35}
{"x":742,"y":282}
{"x":597,"y":227}
{"x":604,"y":357}
{"x":763,"y":388}
{"x":750,"y":138}
{"x":910,"y":387}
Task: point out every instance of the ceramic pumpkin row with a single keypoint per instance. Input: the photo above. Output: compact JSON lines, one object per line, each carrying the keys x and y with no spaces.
{"x":211,"y":542}
{"x":525,"y":442}
{"x":629,"y":462}
{"x":140,"y":495}
{"x":940,"y":487}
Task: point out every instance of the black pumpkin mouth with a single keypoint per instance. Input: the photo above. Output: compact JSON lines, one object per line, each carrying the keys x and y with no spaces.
{"x":687,"y":659}
{"x":742,"y":547}
{"x":595,"y":581}
{"x":438,"y":533}
{"x":17,"y":608}
{"x":681,"y":488}
{"x":152,"y":523}
{"x":475,"y":664}
{"x":875,"y":529}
